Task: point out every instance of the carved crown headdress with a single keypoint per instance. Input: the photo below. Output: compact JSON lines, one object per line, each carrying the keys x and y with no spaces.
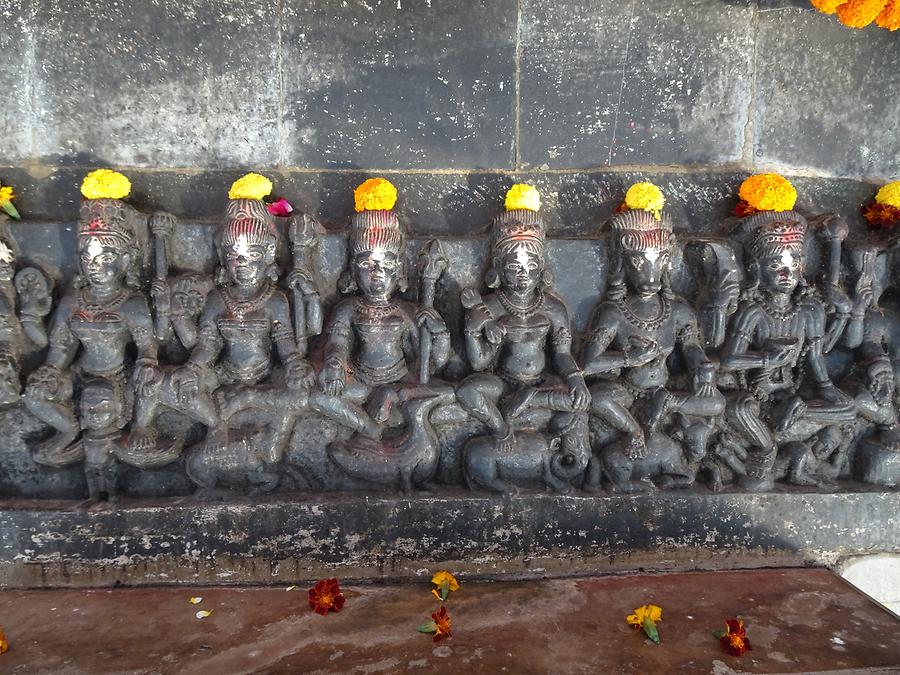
{"x":375,"y":226}
{"x":639,"y":230}
{"x":247,"y":217}
{"x":773,"y":232}
{"x":103,"y":214}
{"x":521,"y":222}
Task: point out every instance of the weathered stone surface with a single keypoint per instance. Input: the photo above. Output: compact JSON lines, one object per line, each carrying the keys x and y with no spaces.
{"x":444,"y":204}
{"x":399,"y":84}
{"x":634,"y":83}
{"x":50,"y":544}
{"x":16,"y":44}
{"x":168,"y":83}
{"x":826,"y":94}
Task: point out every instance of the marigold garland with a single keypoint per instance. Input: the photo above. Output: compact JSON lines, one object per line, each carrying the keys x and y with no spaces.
{"x":768,"y":192}
{"x":523,"y":196}
{"x":890,"y":16}
{"x":645,"y":197}
{"x":250,"y":186}
{"x":105,"y":184}
{"x":375,"y":194}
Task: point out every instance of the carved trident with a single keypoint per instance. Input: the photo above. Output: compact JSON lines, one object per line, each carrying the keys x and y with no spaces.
{"x":432,"y":264}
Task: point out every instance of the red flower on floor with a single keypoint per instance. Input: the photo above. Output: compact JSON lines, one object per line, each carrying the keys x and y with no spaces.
{"x":442,"y":624}
{"x":326,"y":596}
{"x":734,"y":640}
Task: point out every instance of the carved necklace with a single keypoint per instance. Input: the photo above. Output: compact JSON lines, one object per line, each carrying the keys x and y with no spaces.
{"x":521,"y":311}
{"x":665,"y":311}
{"x":376,"y":312}
{"x":91,"y":308}
{"x":237,"y":307}
{"x":777,"y":313}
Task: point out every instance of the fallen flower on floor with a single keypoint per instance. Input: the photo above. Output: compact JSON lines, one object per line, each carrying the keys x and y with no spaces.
{"x":203,"y":613}
{"x":326,"y":596}
{"x":4,"y":644}
{"x":734,"y":638}
{"x":445,"y":583}
{"x":645,"y":617}
{"x":196,"y":600}
{"x":439,"y":625}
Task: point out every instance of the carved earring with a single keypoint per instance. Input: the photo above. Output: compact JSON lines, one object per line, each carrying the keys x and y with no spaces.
{"x":492,"y":278}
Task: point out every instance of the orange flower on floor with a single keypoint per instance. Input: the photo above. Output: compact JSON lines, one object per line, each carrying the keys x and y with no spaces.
{"x":734,"y":638}
{"x":326,"y":596}
{"x":4,"y":644}
{"x":439,"y":625}
{"x":445,"y":583}
{"x":645,"y":617}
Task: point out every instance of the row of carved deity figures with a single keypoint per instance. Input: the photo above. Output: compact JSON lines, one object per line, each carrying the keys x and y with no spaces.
{"x":738,"y":390}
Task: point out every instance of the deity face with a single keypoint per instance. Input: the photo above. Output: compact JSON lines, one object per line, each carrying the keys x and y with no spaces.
{"x":520,"y":270}
{"x":99,"y":409}
{"x":644,"y":270}
{"x":101,"y":265}
{"x":377,"y":273}
{"x":780,"y":272}
{"x":247,"y":262}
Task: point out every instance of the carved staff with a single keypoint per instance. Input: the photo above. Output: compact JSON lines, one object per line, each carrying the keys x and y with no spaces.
{"x":834,"y":230}
{"x":307,"y":305}
{"x":161,"y":224}
{"x":432,"y":264}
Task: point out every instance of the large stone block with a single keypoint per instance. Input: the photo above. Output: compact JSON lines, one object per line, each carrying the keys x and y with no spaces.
{"x":606,"y":83}
{"x":16,"y":115}
{"x":826,"y":94}
{"x":183,"y":83}
{"x":391,"y":83}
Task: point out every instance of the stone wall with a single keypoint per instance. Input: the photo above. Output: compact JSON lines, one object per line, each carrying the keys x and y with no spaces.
{"x":454,"y":99}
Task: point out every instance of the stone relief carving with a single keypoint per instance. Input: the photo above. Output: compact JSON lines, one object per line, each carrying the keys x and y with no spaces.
{"x":249,"y":380}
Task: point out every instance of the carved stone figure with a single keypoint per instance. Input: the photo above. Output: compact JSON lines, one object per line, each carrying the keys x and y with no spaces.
{"x":95,"y":325}
{"x":519,"y":340}
{"x":632,"y":335}
{"x":775,"y":344}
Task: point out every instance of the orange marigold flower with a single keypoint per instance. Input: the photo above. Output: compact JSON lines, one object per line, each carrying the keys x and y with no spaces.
{"x":859,"y":13}
{"x":4,"y":644}
{"x":326,"y":596}
{"x":735,"y":641}
{"x":743,"y":209}
{"x":827,"y":6}
{"x":890,"y":16}
{"x":881,"y":215}
{"x":442,"y":624}
{"x":375,"y":194}
{"x":768,"y":192}
{"x":445,"y":583}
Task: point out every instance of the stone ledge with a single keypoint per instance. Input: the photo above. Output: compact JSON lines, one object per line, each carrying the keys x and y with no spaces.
{"x":368,"y":537}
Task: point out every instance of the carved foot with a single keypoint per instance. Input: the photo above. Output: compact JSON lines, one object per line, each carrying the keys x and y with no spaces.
{"x":749,"y":484}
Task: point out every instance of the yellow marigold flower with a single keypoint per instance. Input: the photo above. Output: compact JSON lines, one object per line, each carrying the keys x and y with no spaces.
{"x":890,"y":16}
{"x":523,"y":196}
{"x":375,"y":194}
{"x":6,"y":194}
{"x":105,"y":184}
{"x":651,"y":612}
{"x":768,"y":192}
{"x":859,"y":13}
{"x":889,"y":195}
{"x":827,"y":6}
{"x":645,"y":197}
{"x":445,"y":583}
{"x":250,"y":186}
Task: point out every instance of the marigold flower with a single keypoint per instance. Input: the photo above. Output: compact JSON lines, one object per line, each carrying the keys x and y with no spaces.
{"x":768,"y":192}
{"x":105,"y":184}
{"x":439,"y":625}
{"x":859,"y":13}
{"x":645,"y":617}
{"x":645,"y":197}
{"x":523,"y":196}
{"x":445,"y":583}
{"x":375,"y":194}
{"x":6,"y":194}
{"x":4,"y":644}
{"x":827,"y":6}
{"x":889,"y":194}
{"x":890,"y":16}
{"x":250,"y":186}
{"x":881,"y":215}
{"x":326,"y":596}
{"x":734,"y":640}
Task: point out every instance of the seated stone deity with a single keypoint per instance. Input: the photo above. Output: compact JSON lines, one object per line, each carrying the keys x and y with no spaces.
{"x":95,"y":327}
{"x":774,"y":344}
{"x":632,"y":336}
{"x":373,"y":338}
{"x":519,"y":340}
